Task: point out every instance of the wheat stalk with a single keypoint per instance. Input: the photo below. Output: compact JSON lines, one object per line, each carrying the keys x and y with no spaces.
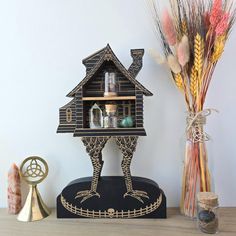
{"x":198,"y":53}
{"x":184,"y":27}
{"x":218,"y":48}
{"x":179,"y":81}
{"x":194,"y":82}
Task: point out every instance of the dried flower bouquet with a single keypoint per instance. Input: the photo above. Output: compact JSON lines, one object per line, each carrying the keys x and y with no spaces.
{"x":193,"y":34}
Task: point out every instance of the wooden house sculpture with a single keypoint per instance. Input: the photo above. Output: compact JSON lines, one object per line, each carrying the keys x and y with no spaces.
{"x":108,"y":103}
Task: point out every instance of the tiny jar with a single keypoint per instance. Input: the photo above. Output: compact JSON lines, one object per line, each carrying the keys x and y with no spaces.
{"x":208,"y":212}
{"x":110,"y":84}
{"x":110,"y":119}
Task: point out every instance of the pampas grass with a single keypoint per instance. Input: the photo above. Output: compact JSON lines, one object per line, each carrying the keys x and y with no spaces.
{"x":168,"y":28}
{"x":158,"y":58}
{"x":183,"y":52}
{"x":173,"y":64}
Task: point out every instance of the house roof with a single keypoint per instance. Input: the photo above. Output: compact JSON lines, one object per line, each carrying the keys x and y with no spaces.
{"x":106,"y":54}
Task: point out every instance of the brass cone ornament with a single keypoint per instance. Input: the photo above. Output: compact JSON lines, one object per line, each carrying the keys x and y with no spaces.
{"x":33,"y":170}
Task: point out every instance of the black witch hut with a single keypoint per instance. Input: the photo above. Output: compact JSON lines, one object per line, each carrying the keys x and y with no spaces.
{"x":108,"y":103}
{"x":74,"y":116}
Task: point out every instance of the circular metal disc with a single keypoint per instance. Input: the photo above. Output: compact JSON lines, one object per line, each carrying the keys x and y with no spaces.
{"x":34,"y":170}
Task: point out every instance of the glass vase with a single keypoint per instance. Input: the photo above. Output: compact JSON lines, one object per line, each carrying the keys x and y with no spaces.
{"x":196,"y":175}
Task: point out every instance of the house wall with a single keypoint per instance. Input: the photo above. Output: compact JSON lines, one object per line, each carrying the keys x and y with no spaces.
{"x":67,"y":118}
{"x":96,"y":85}
{"x":79,"y":109}
{"x":95,"y":88}
{"x":139,"y":108}
{"x":63,"y":113}
{"x":89,"y":64}
{"x":88,"y":104}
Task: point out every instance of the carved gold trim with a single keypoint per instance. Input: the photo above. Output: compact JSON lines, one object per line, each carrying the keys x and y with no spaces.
{"x":111,"y":213}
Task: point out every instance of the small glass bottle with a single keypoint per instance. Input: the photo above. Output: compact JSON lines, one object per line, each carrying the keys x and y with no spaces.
{"x":110,"y":119}
{"x":208,"y":212}
{"x":110,"y":84}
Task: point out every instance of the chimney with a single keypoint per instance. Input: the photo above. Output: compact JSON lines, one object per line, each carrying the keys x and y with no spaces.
{"x":136,"y":66}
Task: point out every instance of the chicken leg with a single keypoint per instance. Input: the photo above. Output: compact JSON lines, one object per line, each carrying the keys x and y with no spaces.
{"x":94,"y":146}
{"x":127,"y":145}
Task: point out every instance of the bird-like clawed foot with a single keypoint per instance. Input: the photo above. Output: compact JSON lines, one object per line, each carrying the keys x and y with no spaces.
{"x":86,"y":194}
{"x":137,"y":194}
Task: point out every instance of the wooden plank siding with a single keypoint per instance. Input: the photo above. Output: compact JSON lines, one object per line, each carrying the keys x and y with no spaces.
{"x":79,"y":110}
{"x":66,"y":128}
{"x":64,"y":125}
{"x":120,"y":110}
{"x":139,"y":108}
{"x":90,"y":63}
{"x":96,"y":85}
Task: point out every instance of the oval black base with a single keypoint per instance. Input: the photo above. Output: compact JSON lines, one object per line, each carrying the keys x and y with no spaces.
{"x":111,"y":203}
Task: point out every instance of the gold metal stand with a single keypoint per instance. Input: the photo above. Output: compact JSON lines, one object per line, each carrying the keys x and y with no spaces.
{"x":33,"y":173}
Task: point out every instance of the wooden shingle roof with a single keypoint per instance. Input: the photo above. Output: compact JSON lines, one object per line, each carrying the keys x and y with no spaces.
{"x":106,"y":54}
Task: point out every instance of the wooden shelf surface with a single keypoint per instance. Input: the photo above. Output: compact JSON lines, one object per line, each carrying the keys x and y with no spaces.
{"x":174,"y":225}
{"x":109,"y":98}
{"x":110,"y":132}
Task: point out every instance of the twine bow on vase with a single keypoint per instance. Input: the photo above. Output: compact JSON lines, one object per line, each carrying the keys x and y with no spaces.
{"x":195,"y":123}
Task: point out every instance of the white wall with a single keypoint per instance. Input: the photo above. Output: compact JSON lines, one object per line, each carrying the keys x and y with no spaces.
{"x":42,"y":44}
